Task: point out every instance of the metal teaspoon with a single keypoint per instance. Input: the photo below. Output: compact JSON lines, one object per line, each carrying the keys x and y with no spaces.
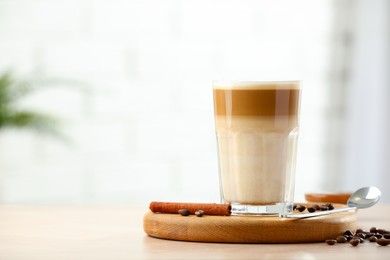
{"x":360,"y":199}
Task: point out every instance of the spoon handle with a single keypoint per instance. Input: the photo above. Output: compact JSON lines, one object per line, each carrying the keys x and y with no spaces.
{"x":321,"y":213}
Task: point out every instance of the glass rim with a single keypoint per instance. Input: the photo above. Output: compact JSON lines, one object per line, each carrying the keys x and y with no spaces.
{"x":256,"y":84}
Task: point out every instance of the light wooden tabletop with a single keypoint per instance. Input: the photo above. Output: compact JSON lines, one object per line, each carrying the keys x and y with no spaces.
{"x":116,"y":232}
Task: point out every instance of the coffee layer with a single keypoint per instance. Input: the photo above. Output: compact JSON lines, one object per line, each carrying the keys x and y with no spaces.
{"x":264,"y":101}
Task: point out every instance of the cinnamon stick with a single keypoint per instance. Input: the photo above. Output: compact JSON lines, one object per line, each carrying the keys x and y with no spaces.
{"x":173,"y":207}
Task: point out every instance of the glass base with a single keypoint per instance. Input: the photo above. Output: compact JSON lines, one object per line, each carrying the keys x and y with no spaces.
{"x":281,"y":209}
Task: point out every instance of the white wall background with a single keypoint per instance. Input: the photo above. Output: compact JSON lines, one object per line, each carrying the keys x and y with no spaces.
{"x":142,"y":124}
{"x":367,"y":149}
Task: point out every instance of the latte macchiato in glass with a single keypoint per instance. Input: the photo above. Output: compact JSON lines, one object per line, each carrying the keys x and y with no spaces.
{"x":257,"y":132}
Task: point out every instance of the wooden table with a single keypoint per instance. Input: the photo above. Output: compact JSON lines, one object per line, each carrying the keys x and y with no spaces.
{"x":114,"y":232}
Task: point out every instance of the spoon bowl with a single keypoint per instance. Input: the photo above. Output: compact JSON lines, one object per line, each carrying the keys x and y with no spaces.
{"x":364,"y":197}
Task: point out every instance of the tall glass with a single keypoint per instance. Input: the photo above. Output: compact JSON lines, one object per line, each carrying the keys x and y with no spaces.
{"x":257,"y":132}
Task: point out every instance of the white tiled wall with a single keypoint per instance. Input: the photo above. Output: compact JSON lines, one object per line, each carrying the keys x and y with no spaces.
{"x":134,"y":92}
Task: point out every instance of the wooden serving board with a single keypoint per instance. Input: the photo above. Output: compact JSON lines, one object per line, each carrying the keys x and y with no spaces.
{"x":248,"y":229}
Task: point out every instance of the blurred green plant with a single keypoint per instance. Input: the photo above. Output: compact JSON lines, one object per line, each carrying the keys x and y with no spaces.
{"x":12,"y":91}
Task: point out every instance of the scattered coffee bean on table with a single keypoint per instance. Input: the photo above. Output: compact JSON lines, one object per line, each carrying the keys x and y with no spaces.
{"x":361,"y":235}
{"x":380,"y":236}
{"x":372,"y":239}
{"x":311,"y":209}
{"x":359,"y":230}
{"x":341,"y":239}
{"x":354,"y":242}
{"x":383,"y":241}
{"x":382,"y":231}
{"x":301,"y":208}
{"x":331,"y":241}
{"x":348,"y":233}
{"x":361,"y":240}
{"x":184,"y":212}
{"x":348,"y":237}
{"x":199,"y":213}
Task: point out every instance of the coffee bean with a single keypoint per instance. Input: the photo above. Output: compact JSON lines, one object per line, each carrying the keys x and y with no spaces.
{"x":323,"y":208}
{"x":348,"y":237}
{"x":311,"y":209}
{"x":331,"y":241}
{"x":184,"y":212}
{"x":199,"y":213}
{"x":301,"y":208}
{"x":341,"y":239}
{"x":359,"y":230}
{"x":316,"y":207}
{"x":380,"y":236}
{"x":354,"y":242}
{"x":382,"y":231}
{"x":358,"y":238}
{"x":295,"y":206}
{"x":348,"y":233}
{"x":361,"y":235}
{"x":383,"y":241}
{"x":329,"y":206}
{"x":372,"y":239}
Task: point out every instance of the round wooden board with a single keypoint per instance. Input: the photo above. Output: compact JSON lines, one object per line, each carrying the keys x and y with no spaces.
{"x":248,"y":229}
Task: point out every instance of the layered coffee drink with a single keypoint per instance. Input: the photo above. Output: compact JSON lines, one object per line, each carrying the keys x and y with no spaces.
{"x":257,"y":131}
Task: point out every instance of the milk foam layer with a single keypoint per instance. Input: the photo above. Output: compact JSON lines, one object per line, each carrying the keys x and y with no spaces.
{"x":256,"y":163}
